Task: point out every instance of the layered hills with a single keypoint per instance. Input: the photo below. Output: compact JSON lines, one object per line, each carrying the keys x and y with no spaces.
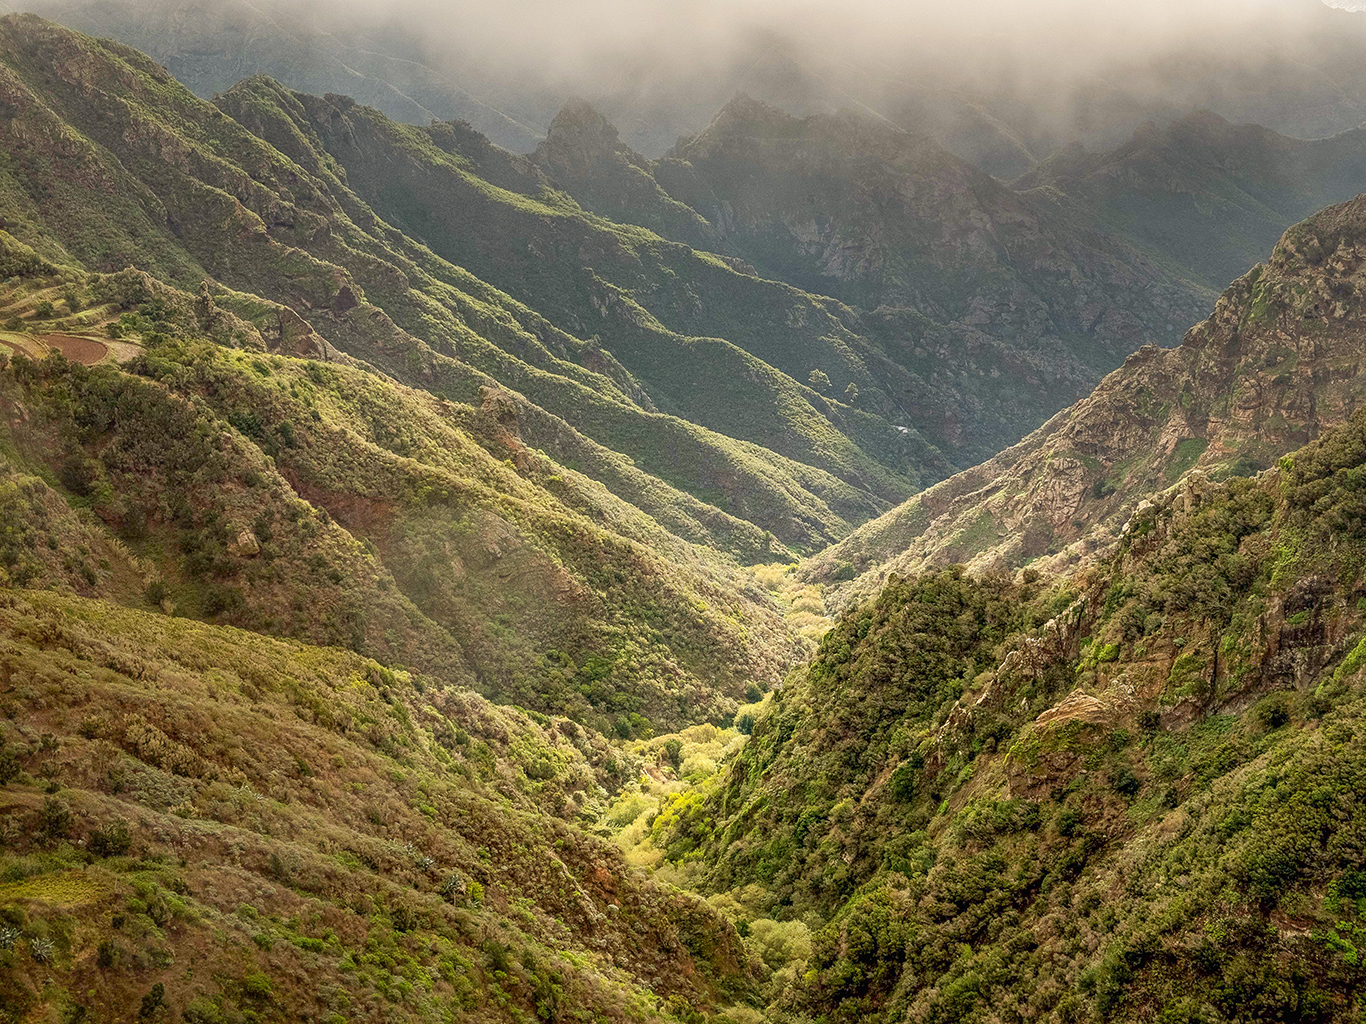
{"x":400,"y":608}
{"x":609,"y":355}
{"x":1200,"y":193}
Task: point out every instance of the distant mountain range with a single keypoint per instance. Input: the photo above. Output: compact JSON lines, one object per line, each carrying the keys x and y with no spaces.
{"x":1305,"y":83}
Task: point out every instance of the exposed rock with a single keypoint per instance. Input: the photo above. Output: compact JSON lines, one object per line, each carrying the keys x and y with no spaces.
{"x":204,"y":308}
{"x":296,"y":337}
{"x":245,"y":546}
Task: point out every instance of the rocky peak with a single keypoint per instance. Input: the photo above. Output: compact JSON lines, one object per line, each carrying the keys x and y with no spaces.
{"x":743,"y":116}
{"x":578,"y":139}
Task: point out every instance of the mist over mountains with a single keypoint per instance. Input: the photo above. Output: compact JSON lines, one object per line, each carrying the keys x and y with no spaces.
{"x":1002,"y":84}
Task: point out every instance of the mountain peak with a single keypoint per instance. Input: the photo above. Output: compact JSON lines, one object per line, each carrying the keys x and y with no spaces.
{"x":745,"y":109}
{"x":579,"y":138}
{"x":578,"y":118}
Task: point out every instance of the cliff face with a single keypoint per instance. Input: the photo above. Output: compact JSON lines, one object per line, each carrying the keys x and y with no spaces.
{"x":1274,"y":365}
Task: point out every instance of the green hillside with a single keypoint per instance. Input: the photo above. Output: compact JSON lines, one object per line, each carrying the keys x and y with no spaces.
{"x":205,"y":825}
{"x":162,"y":180}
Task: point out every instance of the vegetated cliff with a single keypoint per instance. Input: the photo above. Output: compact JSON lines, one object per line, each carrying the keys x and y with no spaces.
{"x":1273,"y":366}
{"x":1131,"y":795}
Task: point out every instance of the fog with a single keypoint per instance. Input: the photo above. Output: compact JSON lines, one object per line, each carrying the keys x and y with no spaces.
{"x":584,"y":41}
{"x":1053,"y":69}
{"x":1031,"y":74}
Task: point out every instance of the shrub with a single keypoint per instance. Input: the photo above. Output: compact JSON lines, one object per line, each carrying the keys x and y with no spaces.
{"x":111,"y":840}
{"x":9,"y":763}
{"x":153,"y":1000}
{"x":1126,"y":783}
{"x":256,"y":985}
{"x":54,"y":820}
{"x":1273,"y":711}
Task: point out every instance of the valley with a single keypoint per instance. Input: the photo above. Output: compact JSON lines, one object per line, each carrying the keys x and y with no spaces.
{"x":455,"y":566}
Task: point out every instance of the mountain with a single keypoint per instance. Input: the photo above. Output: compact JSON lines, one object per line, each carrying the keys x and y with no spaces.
{"x":1043,"y":293}
{"x":879,"y":217}
{"x":1273,"y":367}
{"x":607,"y":350}
{"x":402,"y":606}
{"x":1034,"y":296}
{"x":1123,"y":792}
{"x":585,"y":156}
{"x":310,"y":494}
{"x":1203,"y":196}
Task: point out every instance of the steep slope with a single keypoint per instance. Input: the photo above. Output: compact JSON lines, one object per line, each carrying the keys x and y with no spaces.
{"x":1203,"y":196}
{"x":1132,"y":796}
{"x":325,"y":502}
{"x":1273,"y":366}
{"x":202,"y":824}
{"x":157,"y":178}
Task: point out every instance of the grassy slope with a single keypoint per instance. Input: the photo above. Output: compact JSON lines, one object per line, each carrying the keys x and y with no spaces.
{"x":203,"y":192}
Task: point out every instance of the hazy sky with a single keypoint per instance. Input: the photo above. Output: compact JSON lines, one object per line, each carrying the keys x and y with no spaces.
{"x":573,"y":37}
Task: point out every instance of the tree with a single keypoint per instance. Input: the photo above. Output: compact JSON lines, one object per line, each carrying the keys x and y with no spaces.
{"x":818,"y":380}
{"x":851,"y":393}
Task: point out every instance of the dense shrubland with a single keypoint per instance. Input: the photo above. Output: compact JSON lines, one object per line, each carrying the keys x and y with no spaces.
{"x":1135,"y":795}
